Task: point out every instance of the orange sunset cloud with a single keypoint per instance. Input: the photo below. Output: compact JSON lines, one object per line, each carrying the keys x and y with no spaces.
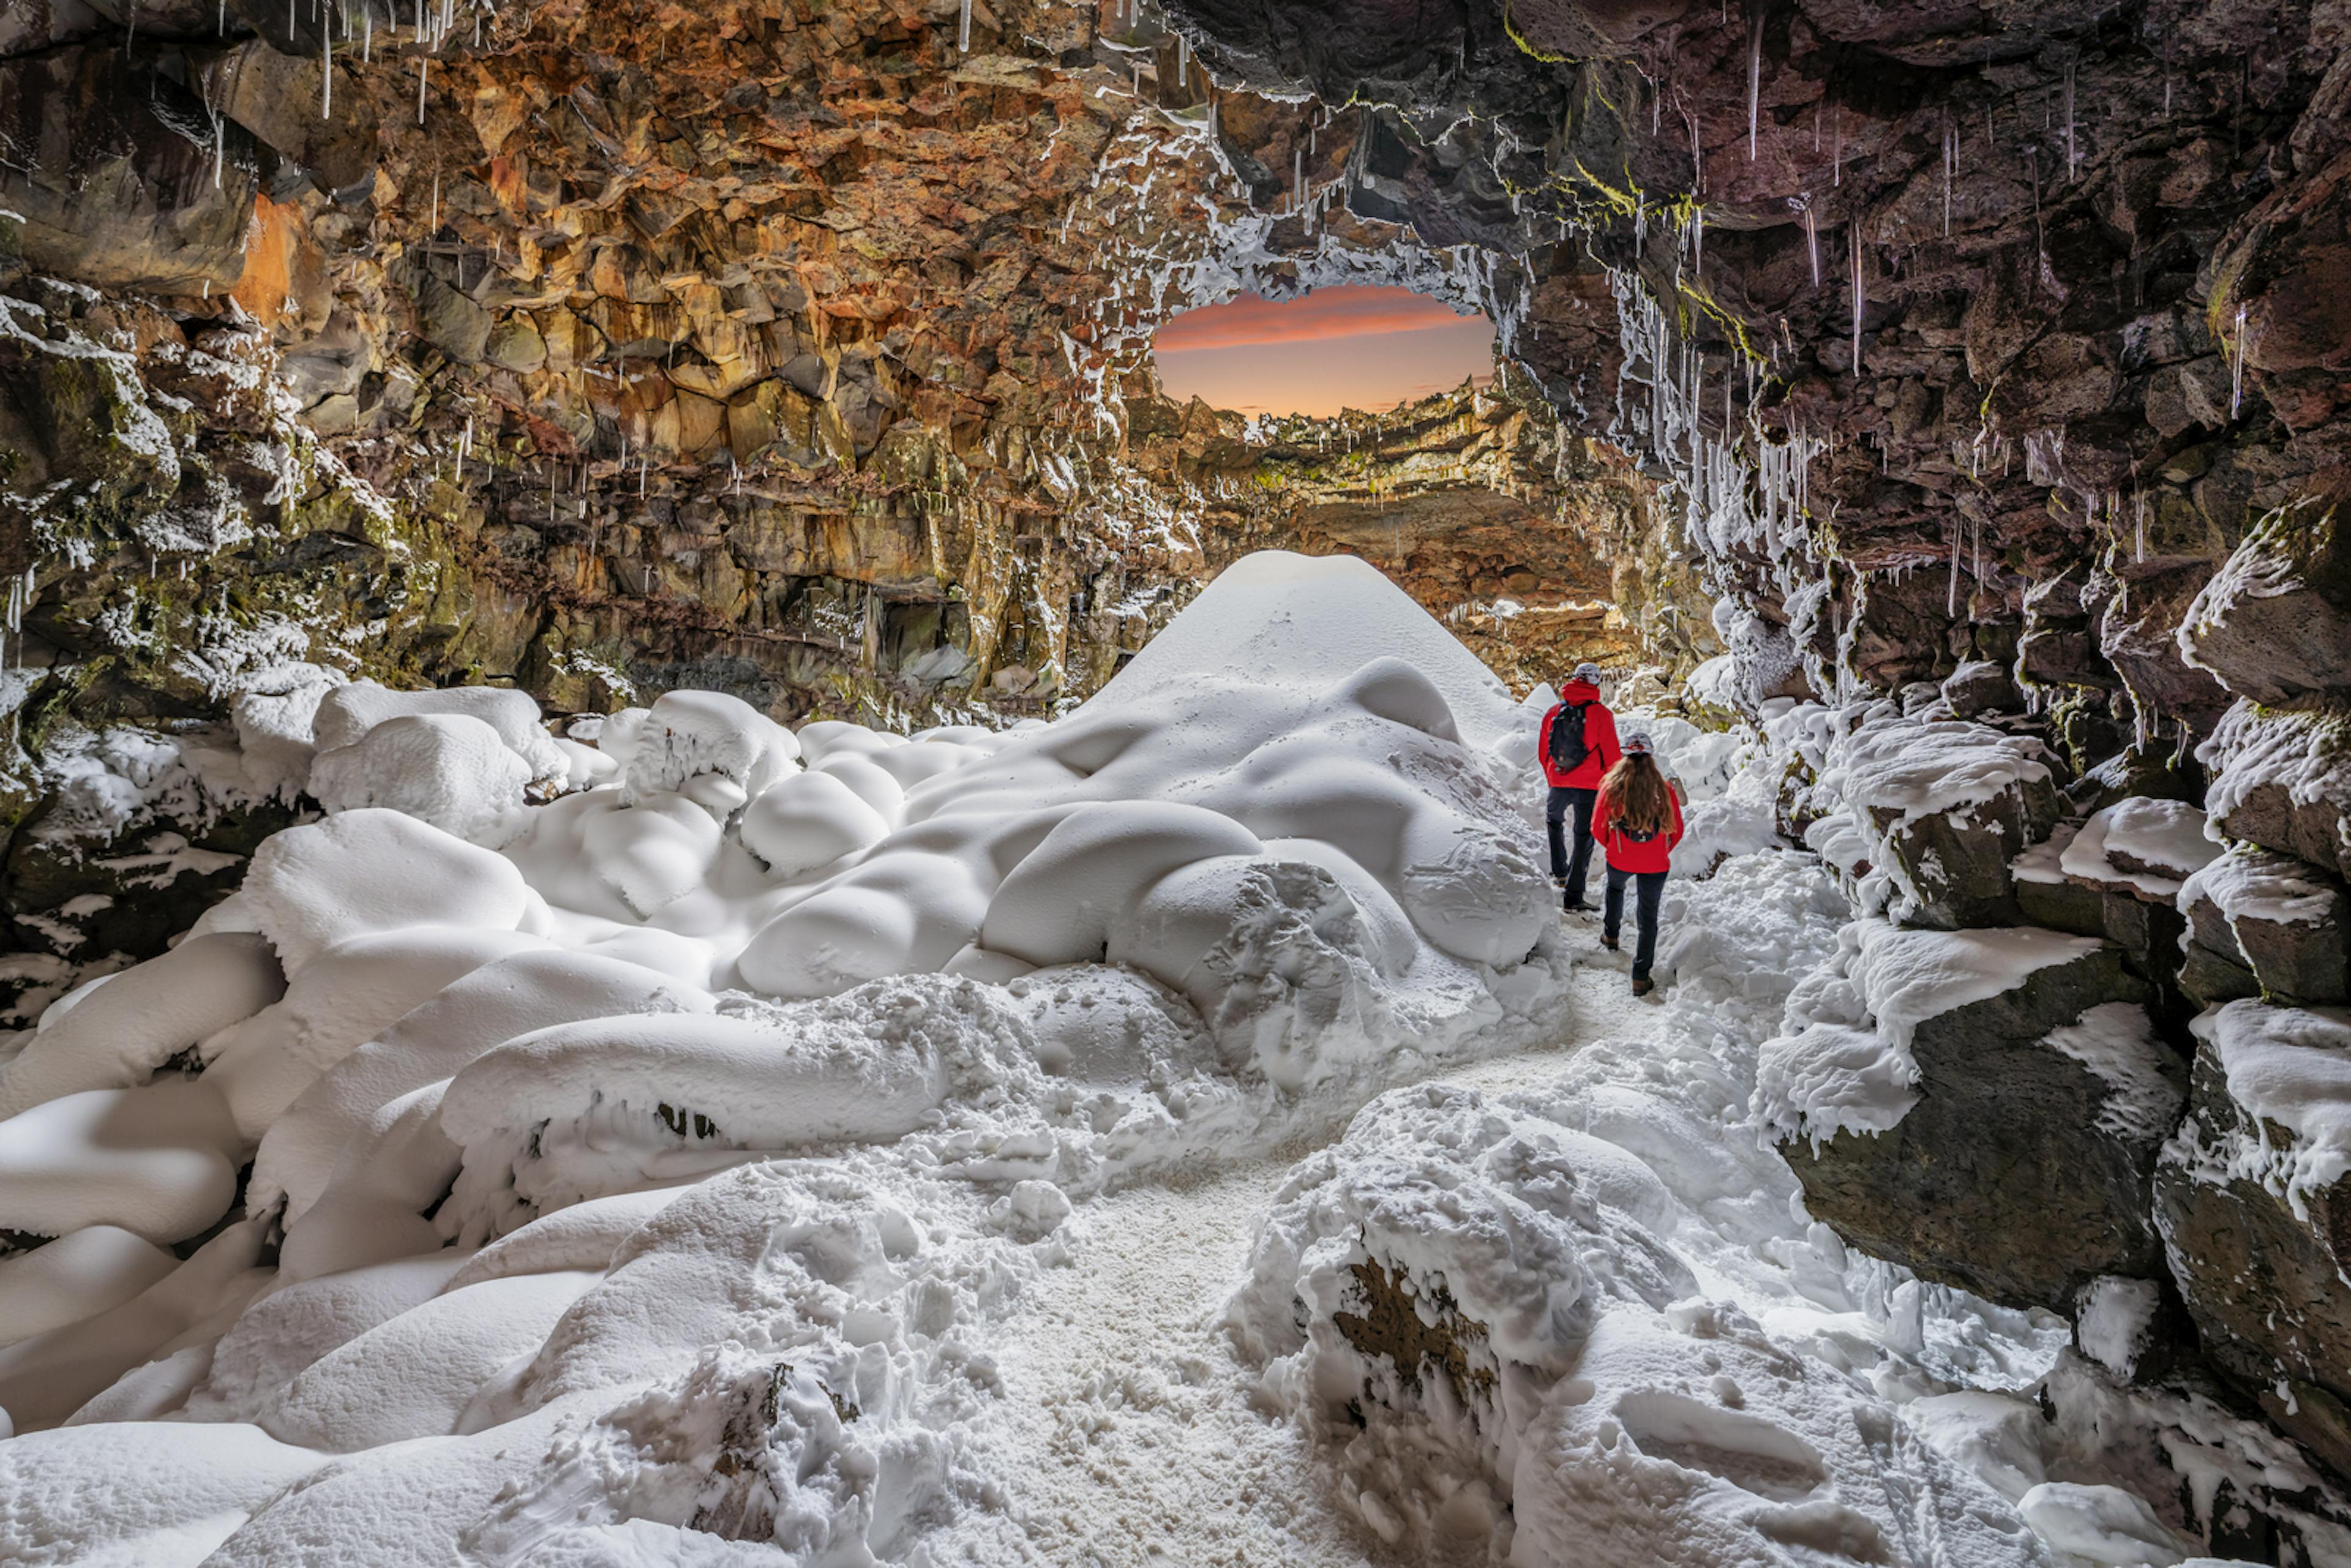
{"x":1333,"y":348}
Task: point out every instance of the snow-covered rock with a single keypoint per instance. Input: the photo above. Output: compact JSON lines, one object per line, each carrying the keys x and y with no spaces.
{"x":2274,"y":622}
{"x":2282,"y":780}
{"x":346,"y":714}
{"x":2250,"y":1197}
{"x":1982,"y":1106}
{"x":1924,"y":816}
{"x":451,"y":770}
{"x":2263,"y":922}
{"x":1481,"y":1307}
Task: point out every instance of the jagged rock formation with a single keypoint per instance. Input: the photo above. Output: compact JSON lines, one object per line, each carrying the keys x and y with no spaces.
{"x":1995,"y":363}
{"x":1989,"y":341}
{"x":795,"y":352}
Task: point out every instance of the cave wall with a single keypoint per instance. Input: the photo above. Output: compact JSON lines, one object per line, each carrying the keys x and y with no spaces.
{"x":1999,"y":360}
{"x":796,"y":350}
{"x":2082,"y":253}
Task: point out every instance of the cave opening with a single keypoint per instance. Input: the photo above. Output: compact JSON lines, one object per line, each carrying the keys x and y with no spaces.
{"x":1324,"y":351}
{"x":724,"y":720}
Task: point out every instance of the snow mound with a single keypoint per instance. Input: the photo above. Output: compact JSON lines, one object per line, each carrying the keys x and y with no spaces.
{"x":449,"y":769}
{"x":374,"y":870}
{"x":1203,"y":909}
{"x":347,"y":715}
{"x":1320,"y":619}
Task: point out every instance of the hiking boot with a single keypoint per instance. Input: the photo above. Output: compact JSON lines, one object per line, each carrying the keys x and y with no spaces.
{"x":1643,"y":986}
{"x":1578,"y":907}
{"x":1608,"y":940}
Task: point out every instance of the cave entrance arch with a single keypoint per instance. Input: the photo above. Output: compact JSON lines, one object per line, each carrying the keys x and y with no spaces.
{"x":1324,"y":351}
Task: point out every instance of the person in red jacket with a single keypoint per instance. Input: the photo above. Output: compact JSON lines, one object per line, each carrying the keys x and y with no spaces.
{"x":1577,"y":746}
{"x":1638,"y":821}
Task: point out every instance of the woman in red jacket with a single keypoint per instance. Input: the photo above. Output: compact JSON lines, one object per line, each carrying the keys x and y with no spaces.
{"x":1638,"y":821}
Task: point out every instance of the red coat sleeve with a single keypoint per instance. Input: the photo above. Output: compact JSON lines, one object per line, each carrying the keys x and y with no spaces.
{"x":1674,"y":798}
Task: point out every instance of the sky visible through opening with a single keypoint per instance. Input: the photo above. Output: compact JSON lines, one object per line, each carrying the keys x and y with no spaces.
{"x":1336,"y":348}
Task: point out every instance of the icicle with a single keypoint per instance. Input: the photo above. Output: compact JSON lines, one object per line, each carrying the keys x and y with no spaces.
{"x":1754,"y":70}
{"x":1812,"y":242}
{"x":963,"y":29}
{"x":367,"y":29}
{"x":435,"y":227}
{"x":1859,"y":301}
{"x":1697,"y":244}
{"x":1183,"y":60}
{"x":1950,"y":157}
{"x":1837,"y":164}
{"x":325,"y":73}
{"x":423,"y":69}
{"x":2237,"y":365}
{"x":1951,"y":593}
{"x":2072,"y":159}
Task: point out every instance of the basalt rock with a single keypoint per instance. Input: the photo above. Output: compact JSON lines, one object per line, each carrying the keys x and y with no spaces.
{"x":2260,"y":1257}
{"x":2262,"y":924}
{"x":2022,"y":1173}
{"x":121,"y":176}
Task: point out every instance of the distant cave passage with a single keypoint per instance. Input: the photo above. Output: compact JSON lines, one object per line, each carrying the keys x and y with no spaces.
{"x":1331,"y":348}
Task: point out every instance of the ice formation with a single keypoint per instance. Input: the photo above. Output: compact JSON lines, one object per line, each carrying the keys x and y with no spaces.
{"x":881,"y":1147}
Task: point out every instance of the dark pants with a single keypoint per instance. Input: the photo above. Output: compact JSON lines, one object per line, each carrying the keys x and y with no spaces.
{"x":1645,"y":896}
{"x":1561,"y":801}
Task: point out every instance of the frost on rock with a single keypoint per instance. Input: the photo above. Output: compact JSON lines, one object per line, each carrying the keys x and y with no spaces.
{"x":2260,"y":923}
{"x":2282,"y":780}
{"x":1924,"y":816}
{"x":1985,"y":1107}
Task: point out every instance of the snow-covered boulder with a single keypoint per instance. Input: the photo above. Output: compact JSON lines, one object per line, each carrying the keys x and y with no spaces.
{"x":2263,"y":922}
{"x":346,"y":714}
{"x":810,"y":820}
{"x":374,"y":870}
{"x":2118,"y":876}
{"x":730,"y":747}
{"x":1484,"y":1312}
{"x":2253,"y":1199}
{"x":1931,"y":814}
{"x":1982,"y":1106}
{"x":450,"y":769}
{"x":115,"y":1035}
{"x":2282,"y":780}
{"x":2274,"y":622}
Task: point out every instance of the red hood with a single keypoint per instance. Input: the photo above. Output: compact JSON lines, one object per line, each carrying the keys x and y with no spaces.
{"x":1579,"y":692}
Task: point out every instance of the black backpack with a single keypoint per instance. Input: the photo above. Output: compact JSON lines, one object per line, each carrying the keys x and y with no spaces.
{"x":1567,"y":747}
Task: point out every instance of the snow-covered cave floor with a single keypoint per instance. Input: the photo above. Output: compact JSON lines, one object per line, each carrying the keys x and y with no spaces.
{"x":973,"y":1148}
{"x":1137,"y":1438}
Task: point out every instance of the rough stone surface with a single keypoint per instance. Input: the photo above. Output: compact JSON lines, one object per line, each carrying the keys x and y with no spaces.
{"x":2001,"y":1178}
{"x":2264,"y":1281}
{"x":2267,"y":925}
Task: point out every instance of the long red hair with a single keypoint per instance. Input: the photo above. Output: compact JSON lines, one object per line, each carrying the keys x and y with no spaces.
{"x":1638,"y":799}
